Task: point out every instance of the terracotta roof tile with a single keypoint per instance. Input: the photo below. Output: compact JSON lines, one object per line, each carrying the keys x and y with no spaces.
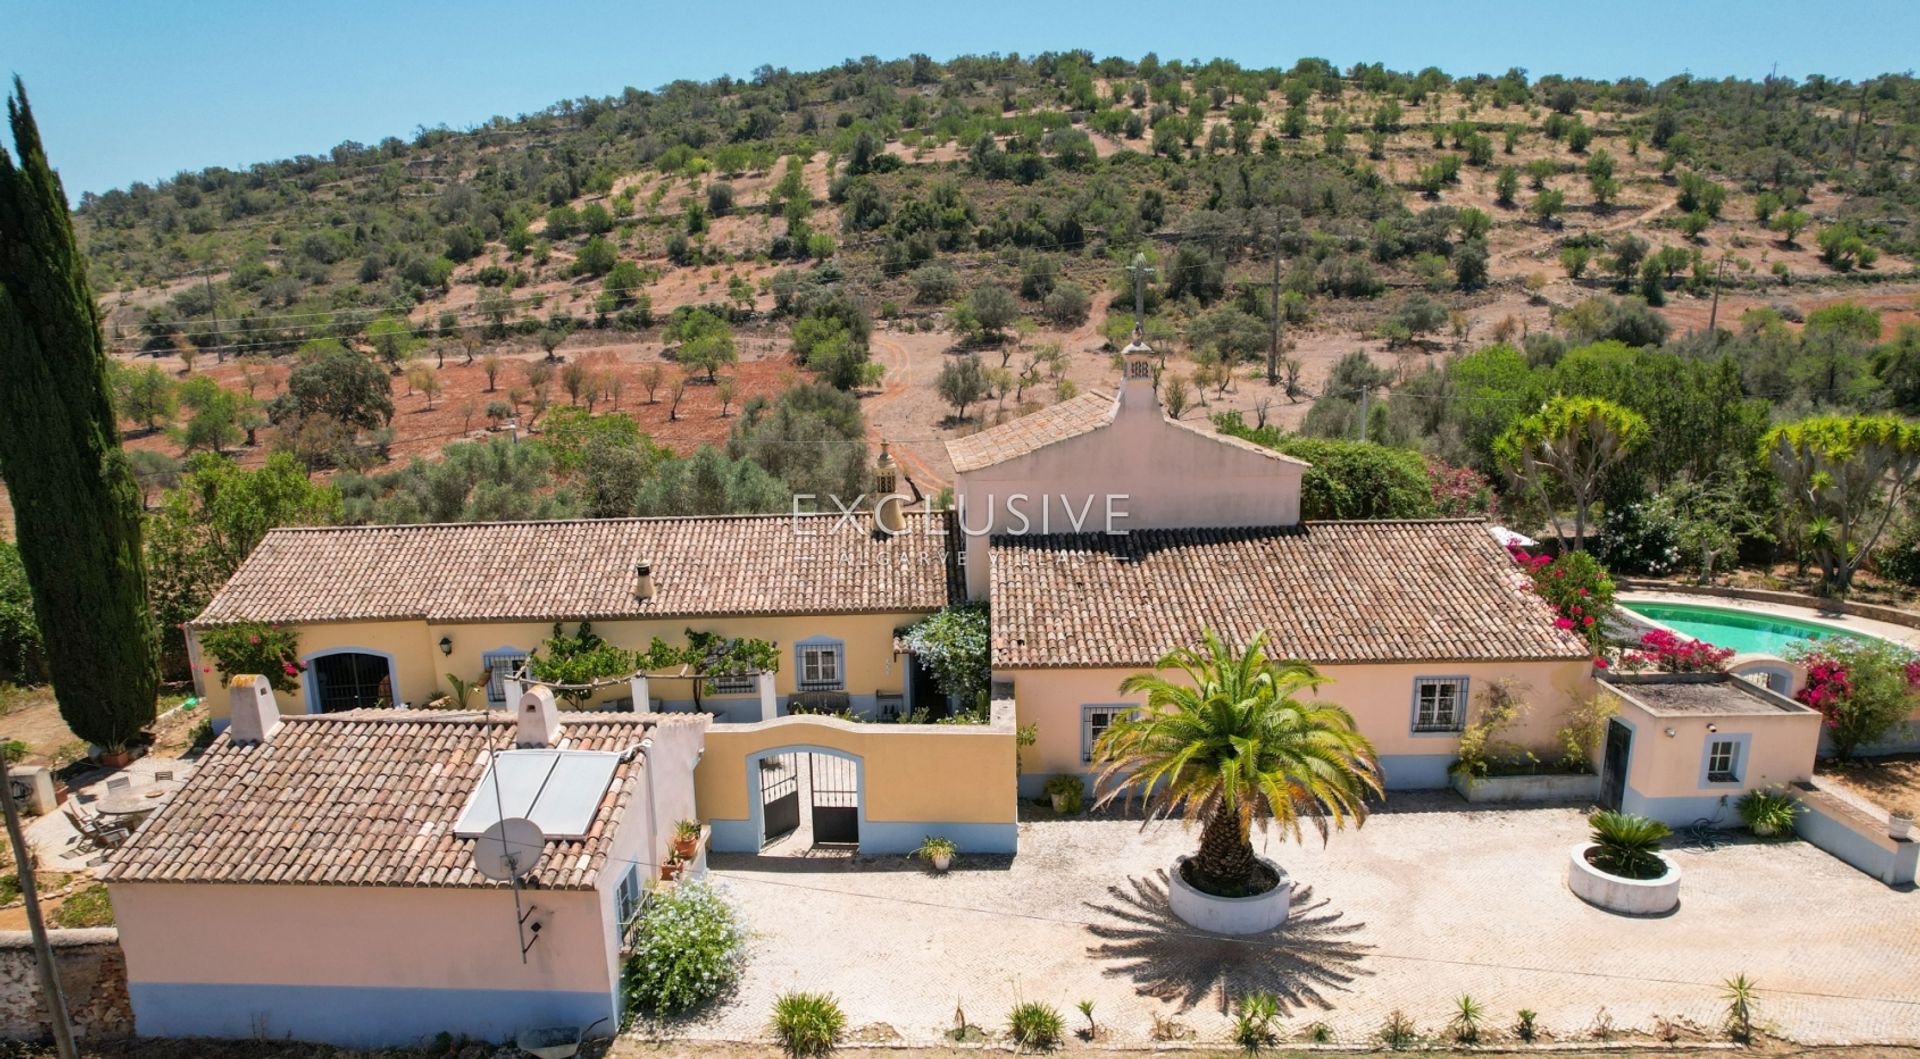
{"x":1330,"y":592}
{"x":564,"y":571}
{"x":365,"y":798}
{"x":1071,"y":417}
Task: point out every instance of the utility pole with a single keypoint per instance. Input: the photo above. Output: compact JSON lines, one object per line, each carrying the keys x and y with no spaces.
{"x":1713,"y":317}
{"x":42,"y":948}
{"x":1273,"y":336}
{"x":213,"y":310}
{"x":1361,"y":433}
{"x":1859,"y":120}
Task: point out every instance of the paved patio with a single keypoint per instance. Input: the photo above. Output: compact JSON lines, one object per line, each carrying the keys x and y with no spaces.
{"x":1430,"y":900}
{"x":52,"y":835}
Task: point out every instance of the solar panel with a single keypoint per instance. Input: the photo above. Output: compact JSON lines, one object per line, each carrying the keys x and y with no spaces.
{"x":556,"y":789}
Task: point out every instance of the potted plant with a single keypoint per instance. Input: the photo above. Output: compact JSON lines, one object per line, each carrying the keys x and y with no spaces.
{"x":936,"y":851}
{"x":672,"y":868}
{"x":1068,"y":793}
{"x":1767,"y":811}
{"x":686,"y":838}
{"x":1621,"y":868}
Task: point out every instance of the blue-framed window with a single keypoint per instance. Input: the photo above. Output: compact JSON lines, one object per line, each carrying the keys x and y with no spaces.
{"x":1094,"y":722}
{"x":1723,"y":761}
{"x":820,"y":664}
{"x":1439,"y":704}
{"x":626,"y":900}
{"x":500,"y":665}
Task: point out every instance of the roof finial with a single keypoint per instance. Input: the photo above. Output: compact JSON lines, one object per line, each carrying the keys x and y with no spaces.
{"x":1141,"y":270}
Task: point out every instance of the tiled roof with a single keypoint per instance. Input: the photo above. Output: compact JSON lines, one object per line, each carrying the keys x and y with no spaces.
{"x":564,"y":571}
{"x":1070,"y":418}
{"x":1328,"y":592}
{"x":367,"y":798}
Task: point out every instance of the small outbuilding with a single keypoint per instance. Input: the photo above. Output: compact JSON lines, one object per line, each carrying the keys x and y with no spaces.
{"x":316,"y":877}
{"x":1683,"y":747}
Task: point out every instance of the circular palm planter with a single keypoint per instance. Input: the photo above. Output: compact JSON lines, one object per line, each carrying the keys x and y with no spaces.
{"x":1632,"y":897}
{"x":1229,"y":915}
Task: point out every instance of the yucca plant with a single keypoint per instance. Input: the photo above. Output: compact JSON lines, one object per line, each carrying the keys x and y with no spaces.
{"x":1231,"y":744}
{"x":808,"y":1024}
{"x":1768,"y":811}
{"x":1035,"y":1026}
{"x":1467,"y":1016}
{"x":1628,"y":845}
{"x":1253,"y":1022}
{"x":1739,"y":993}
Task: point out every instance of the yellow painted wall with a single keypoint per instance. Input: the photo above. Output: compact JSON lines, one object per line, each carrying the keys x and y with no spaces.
{"x":913,"y":772}
{"x":1781,"y":749}
{"x":1380,"y":697}
{"x":420,"y":668}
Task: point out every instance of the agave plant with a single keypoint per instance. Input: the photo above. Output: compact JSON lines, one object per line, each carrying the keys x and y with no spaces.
{"x":1231,"y":744}
{"x":1767,"y":811}
{"x":1628,"y":845}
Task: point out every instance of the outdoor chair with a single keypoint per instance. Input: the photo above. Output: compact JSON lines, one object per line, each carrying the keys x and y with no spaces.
{"x":94,"y":833}
{"x":119,"y":783}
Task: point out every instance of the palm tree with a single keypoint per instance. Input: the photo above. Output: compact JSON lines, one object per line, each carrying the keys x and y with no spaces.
{"x":1231,"y":745}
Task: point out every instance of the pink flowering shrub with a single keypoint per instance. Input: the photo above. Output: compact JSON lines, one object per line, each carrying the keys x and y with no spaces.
{"x":269,"y":650}
{"x":1668,"y":653}
{"x":1577,"y":588}
{"x":1458,"y":491}
{"x":1864,"y":689}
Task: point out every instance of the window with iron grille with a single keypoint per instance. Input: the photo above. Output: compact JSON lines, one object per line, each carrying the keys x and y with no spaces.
{"x":501,"y":665}
{"x":1094,"y":722}
{"x":1439,"y":704}
{"x":1723,"y":761}
{"x":821,"y":666}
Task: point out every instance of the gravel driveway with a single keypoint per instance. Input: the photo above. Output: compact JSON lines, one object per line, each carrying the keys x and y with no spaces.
{"x":1428,"y":901}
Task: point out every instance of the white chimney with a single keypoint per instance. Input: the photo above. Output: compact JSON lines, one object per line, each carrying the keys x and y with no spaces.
{"x":538,"y":720}
{"x":252,"y":715}
{"x":889,"y":510}
{"x":643,"y":580}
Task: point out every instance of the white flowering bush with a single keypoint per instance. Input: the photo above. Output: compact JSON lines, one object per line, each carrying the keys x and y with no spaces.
{"x":688,"y":950}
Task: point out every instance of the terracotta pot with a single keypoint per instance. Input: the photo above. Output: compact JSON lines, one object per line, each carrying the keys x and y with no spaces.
{"x":117,"y":759}
{"x":686,"y":847}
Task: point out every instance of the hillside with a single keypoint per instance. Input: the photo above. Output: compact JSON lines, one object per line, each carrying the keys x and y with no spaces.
{"x":1018,"y":173}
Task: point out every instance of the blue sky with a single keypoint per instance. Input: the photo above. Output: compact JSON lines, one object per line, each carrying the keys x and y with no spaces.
{"x":140,"y":89}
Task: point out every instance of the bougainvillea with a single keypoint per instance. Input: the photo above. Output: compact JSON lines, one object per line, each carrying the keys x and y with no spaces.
{"x":269,"y":650}
{"x":1669,"y":653}
{"x":1865,"y":689}
{"x":1459,"y":491}
{"x":1577,"y":588}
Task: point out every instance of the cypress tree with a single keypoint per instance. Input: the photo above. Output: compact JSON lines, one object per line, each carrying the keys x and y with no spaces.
{"x":76,"y":504}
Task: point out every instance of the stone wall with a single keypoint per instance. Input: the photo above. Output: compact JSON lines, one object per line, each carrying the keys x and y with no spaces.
{"x":93,"y":974}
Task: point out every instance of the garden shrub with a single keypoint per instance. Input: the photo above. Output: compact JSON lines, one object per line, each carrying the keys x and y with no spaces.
{"x":249,"y":647}
{"x":808,"y":1024}
{"x":1034,"y":1025}
{"x":1900,"y":559}
{"x":1864,"y":689}
{"x":688,"y":949}
{"x":1577,"y":588}
{"x":1640,"y":538}
{"x":953,"y":644}
{"x":1668,"y":653}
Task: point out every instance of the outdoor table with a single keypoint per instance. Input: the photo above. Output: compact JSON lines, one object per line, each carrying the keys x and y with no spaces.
{"x":135,"y":801}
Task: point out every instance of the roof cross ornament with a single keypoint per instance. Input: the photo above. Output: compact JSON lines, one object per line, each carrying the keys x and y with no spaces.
{"x":1141,"y":270}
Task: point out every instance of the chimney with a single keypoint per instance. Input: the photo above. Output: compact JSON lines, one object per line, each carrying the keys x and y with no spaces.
{"x":889,"y":508}
{"x":643,"y":580}
{"x":1137,"y":390}
{"x":538,"y":721}
{"x":252,"y":715}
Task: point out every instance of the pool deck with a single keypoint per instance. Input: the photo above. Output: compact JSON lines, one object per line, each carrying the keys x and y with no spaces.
{"x":1886,"y":630}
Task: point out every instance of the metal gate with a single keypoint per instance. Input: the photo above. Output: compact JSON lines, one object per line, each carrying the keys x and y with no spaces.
{"x":836,"y":800}
{"x":779,"y":796}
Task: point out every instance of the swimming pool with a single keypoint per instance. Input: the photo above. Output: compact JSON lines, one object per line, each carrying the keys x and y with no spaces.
{"x":1745,"y":632}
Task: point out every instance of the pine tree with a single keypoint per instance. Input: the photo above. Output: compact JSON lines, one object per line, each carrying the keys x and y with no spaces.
{"x":76,"y":503}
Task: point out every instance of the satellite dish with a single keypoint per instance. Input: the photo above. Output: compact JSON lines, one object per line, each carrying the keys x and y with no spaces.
{"x":509,"y":849}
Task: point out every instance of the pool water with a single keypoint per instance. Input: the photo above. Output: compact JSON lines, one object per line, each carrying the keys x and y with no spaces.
{"x":1745,"y":632}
